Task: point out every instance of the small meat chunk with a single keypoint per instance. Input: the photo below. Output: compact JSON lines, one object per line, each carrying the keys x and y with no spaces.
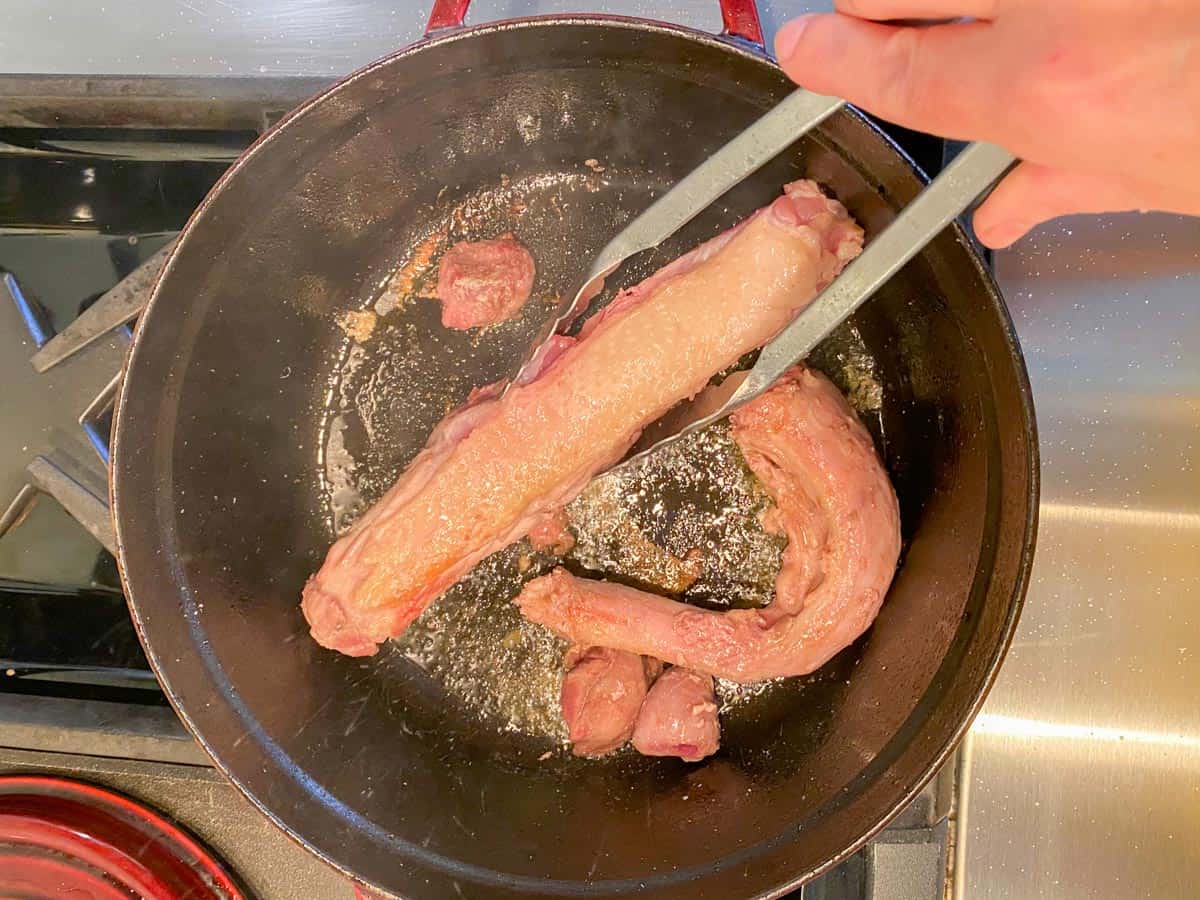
{"x":602,"y":692}
{"x":679,"y":717}
{"x":484,"y":282}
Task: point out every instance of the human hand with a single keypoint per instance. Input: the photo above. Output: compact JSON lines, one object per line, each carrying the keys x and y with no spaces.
{"x":1099,"y":98}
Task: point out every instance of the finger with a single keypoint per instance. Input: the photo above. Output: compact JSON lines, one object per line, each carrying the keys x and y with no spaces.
{"x":883,"y":10}
{"x":1032,"y":194}
{"x":933,"y":79}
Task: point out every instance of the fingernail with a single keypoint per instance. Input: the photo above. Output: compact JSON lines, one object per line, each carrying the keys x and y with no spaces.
{"x":787,"y":39}
{"x":1002,"y":234}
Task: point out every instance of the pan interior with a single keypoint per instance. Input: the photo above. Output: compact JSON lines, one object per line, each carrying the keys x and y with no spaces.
{"x":495,"y":672}
{"x":265,"y":414}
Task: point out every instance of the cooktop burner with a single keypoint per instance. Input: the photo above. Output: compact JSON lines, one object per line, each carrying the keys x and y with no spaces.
{"x":84,"y":212}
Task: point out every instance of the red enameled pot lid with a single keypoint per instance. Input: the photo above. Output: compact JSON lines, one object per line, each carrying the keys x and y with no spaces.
{"x":62,"y":838}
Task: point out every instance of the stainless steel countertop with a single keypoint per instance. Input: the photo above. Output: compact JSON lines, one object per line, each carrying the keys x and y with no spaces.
{"x":1082,"y":775}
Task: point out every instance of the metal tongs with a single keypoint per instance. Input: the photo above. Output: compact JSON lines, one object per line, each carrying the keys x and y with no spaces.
{"x":968,"y":177}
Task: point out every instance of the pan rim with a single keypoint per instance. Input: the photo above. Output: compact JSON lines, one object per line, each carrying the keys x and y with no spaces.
{"x":446,"y":865}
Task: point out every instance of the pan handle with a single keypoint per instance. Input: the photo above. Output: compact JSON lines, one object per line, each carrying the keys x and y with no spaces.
{"x":446,"y":14}
{"x":742,"y":22}
{"x":740,"y":18}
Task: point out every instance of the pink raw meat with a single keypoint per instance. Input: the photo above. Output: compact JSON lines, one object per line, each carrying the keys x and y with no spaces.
{"x":492,"y":472}
{"x":679,"y":717}
{"x":602,"y":691}
{"x":837,"y":507}
{"x":483,"y":282}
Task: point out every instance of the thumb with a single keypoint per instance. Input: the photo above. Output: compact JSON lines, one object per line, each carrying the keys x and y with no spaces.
{"x":1031,"y":194}
{"x":934,"y":78}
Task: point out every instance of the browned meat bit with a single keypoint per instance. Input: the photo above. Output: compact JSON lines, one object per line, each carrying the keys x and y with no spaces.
{"x":358,"y":324}
{"x":552,"y":534}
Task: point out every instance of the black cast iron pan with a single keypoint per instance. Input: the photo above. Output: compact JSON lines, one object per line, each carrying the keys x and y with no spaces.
{"x":225,"y":490}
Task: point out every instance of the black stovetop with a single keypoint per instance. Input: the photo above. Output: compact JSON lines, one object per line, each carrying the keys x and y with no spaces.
{"x":79,"y":210}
